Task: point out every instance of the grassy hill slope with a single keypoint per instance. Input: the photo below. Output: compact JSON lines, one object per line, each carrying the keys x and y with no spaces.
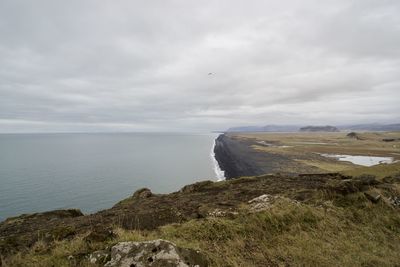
{"x":312,"y":220}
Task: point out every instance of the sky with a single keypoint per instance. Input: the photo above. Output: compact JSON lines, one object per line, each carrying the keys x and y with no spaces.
{"x":126,"y":65}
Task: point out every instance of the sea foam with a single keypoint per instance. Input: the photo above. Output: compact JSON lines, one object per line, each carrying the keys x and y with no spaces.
{"x":219,"y":173}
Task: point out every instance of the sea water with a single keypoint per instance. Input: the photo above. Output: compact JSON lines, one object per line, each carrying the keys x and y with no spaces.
{"x":40,"y":172}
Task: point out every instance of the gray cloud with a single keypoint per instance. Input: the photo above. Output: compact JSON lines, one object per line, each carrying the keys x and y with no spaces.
{"x":129,"y":65}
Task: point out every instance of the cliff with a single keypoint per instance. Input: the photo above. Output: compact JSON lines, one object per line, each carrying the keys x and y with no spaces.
{"x":234,"y":158}
{"x":246,"y":156}
{"x":269,"y":220}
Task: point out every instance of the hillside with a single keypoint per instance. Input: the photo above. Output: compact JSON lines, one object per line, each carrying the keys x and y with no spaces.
{"x":371,"y":127}
{"x":255,"y":221}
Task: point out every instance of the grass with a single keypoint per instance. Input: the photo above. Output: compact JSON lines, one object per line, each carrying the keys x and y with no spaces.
{"x":302,"y":150}
{"x":297,"y":235}
{"x":335,"y":143}
{"x":380,"y":171}
{"x":333,"y":231}
{"x":326,"y":166}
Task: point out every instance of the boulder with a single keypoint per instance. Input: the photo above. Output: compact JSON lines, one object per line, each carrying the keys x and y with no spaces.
{"x":373,"y":196}
{"x":156,"y":253}
{"x":265,"y":202}
{"x":262,"y":202}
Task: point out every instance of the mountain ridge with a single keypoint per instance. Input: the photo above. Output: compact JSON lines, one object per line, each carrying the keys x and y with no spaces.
{"x":295,"y":128}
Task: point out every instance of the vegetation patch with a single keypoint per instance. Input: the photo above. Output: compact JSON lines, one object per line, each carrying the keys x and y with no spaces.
{"x":331,"y":228}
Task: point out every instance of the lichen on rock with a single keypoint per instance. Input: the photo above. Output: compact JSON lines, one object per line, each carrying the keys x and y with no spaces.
{"x":156,"y":253}
{"x":266,"y":201}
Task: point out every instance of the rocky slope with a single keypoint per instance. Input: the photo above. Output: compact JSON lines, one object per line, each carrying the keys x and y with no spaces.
{"x":147,"y":211}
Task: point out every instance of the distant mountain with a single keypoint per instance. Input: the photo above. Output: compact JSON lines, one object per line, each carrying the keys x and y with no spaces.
{"x":371,"y":127}
{"x":295,"y":128}
{"x":267,"y":128}
{"x":326,"y":128}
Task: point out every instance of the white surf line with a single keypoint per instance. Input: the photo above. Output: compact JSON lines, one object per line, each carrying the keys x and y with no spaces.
{"x":219,"y":173}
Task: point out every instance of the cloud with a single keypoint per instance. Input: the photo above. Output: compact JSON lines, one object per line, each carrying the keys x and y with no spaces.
{"x":135,"y":66}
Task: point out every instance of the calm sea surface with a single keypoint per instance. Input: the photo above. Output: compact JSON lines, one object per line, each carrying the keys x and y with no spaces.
{"x":40,"y":172}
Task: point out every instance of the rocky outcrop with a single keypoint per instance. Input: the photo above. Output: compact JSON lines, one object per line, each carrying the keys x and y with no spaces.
{"x":46,"y":216}
{"x":143,"y":193}
{"x":266,"y":201}
{"x":100,"y":257}
{"x":319,"y":129}
{"x":156,"y":253}
{"x":373,"y":196}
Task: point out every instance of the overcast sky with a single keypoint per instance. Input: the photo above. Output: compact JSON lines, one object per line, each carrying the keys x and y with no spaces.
{"x":143,"y":65}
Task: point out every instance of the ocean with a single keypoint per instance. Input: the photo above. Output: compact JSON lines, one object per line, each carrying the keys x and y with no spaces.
{"x":40,"y":172}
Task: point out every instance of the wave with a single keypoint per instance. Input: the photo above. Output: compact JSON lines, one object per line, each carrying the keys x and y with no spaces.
{"x":219,"y":173}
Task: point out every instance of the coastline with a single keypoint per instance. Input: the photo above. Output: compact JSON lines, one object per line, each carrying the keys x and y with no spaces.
{"x":236,"y":158}
{"x":145,"y":210}
{"x":93,"y":171}
{"x":252,"y":154}
{"x":247,"y":209}
{"x":220,"y":174}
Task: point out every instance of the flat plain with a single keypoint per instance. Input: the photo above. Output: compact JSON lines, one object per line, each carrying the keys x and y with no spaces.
{"x":306,"y":152}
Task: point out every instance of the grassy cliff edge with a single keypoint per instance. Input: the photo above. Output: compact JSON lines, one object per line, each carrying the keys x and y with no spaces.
{"x":312,"y":220}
